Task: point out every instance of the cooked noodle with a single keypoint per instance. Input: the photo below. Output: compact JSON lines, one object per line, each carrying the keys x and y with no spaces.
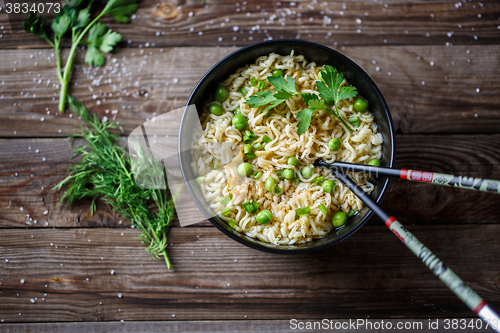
{"x":221,"y":141}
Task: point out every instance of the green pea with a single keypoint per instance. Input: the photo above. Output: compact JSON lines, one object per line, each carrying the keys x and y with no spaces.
{"x":292,"y":160}
{"x":334,"y":144}
{"x":374,"y":162}
{"x":270,"y":184}
{"x":240,"y":122}
{"x":277,"y":73}
{"x":215,"y":109}
{"x":339,"y":219}
{"x":329,"y":186}
{"x":200,"y":179}
{"x":237,"y":111}
{"x":264,"y":216}
{"x":221,"y":93}
{"x":306,"y":172}
{"x":360,"y":104}
{"x":288,"y":173}
{"x":245,"y":169}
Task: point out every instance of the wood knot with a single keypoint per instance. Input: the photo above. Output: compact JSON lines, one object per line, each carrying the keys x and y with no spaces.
{"x":167,"y":10}
{"x":57,"y":279}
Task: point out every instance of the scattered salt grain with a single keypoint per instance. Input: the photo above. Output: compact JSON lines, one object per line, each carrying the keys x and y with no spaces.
{"x":22,"y":281}
{"x":120,"y":295}
{"x":112,"y":271}
{"x":478,"y":90}
{"x":32,"y":300}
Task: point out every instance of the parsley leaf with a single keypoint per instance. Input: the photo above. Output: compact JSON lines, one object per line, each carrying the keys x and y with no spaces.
{"x":304,"y":117}
{"x":82,"y":19}
{"x":284,"y":90}
{"x":109,"y":40}
{"x":99,"y":39}
{"x":331,"y":90}
{"x":282,"y":95}
{"x":334,"y":91}
{"x":267,"y":97}
{"x":93,"y":57}
{"x":308,"y":97}
{"x":314,"y":102}
{"x":35,"y":26}
{"x":260,"y":98}
{"x":63,"y":20}
{"x":282,"y":85}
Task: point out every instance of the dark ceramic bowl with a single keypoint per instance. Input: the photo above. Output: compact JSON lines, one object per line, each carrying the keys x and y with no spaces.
{"x":322,"y":55}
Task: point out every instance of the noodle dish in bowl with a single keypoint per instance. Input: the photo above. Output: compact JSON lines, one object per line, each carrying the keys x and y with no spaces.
{"x":267,"y":112}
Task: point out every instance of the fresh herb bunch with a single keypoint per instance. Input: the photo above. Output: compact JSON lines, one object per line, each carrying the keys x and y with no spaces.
{"x":330,"y":93}
{"x":75,"y":17}
{"x":104,"y":172}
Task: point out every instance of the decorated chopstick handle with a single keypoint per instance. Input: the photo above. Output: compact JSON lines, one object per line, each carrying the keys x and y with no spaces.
{"x":471,"y":183}
{"x":445,"y":274}
{"x":467,"y":295}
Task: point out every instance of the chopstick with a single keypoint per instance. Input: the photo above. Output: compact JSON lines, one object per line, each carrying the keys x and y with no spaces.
{"x":443,"y":272}
{"x":470,"y":183}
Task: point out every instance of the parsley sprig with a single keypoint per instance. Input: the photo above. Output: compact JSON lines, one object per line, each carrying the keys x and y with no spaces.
{"x":75,"y":17}
{"x":330,"y":93}
{"x":104,"y":172}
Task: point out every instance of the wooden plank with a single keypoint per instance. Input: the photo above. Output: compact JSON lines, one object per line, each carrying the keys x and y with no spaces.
{"x":233,"y":22}
{"x":215,"y":278}
{"x":429,"y":89}
{"x":257,"y":326}
{"x":26,"y":180}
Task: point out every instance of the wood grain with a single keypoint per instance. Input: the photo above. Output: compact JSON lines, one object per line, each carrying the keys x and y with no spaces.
{"x":429,"y":89}
{"x":256,"y":326}
{"x":234,"y":22}
{"x":437,"y":65}
{"x":26,"y":180}
{"x":215,"y":278}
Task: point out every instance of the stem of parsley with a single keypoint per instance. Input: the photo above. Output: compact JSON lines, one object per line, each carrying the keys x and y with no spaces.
{"x":337,"y":114}
{"x":69,"y":63}
{"x":77,"y":19}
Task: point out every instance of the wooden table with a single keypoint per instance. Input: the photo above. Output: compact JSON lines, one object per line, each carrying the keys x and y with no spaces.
{"x":61,"y":270}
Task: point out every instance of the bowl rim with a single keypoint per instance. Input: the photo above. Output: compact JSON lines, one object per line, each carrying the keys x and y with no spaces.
{"x":241,"y":238}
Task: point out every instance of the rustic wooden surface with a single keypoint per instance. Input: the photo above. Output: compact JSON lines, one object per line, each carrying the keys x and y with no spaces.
{"x":437,"y":64}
